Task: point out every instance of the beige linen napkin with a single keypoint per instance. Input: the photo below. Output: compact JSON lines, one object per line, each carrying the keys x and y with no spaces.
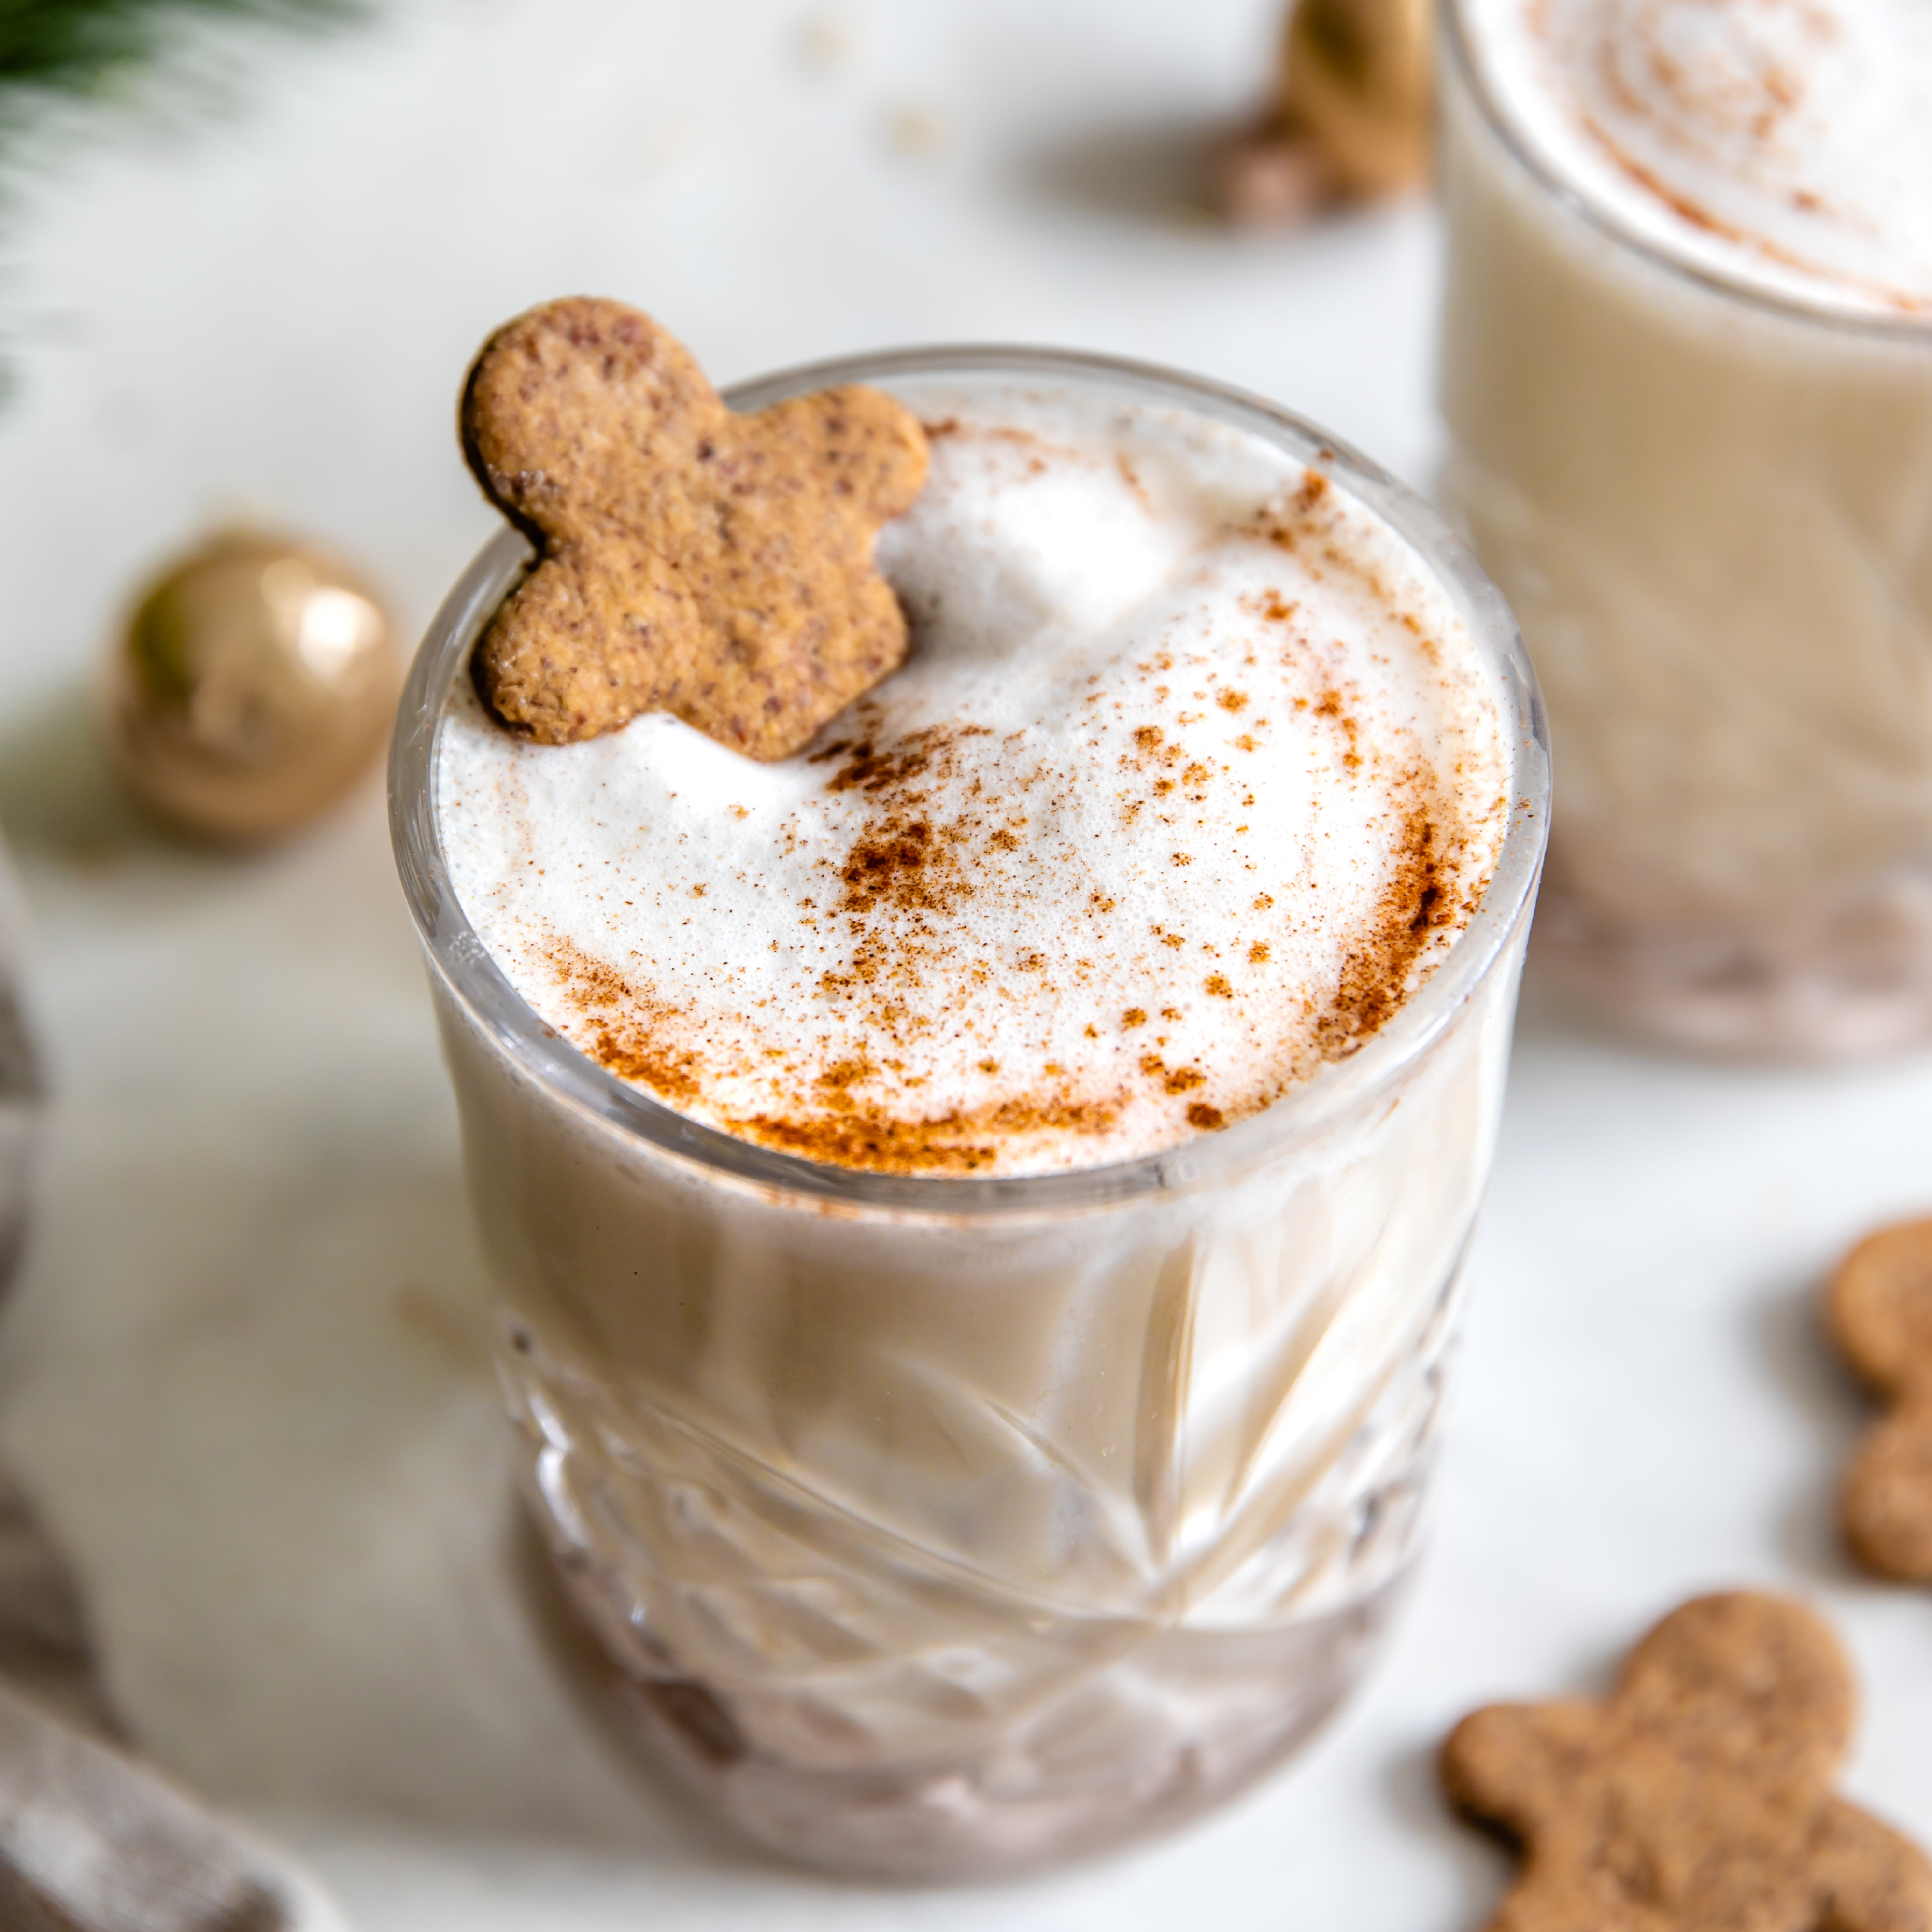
{"x":91,"y":1842}
{"x":91,"y":1839}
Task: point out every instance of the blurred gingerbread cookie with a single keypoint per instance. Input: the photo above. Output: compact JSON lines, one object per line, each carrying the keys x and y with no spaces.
{"x":1879,"y":1310}
{"x":1698,"y":1795}
{"x":690,"y":560}
{"x":1352,"y":116}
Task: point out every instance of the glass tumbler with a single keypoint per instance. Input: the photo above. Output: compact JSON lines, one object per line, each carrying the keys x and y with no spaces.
{"x":948,"y":1526}
{"x":1711,"y":507}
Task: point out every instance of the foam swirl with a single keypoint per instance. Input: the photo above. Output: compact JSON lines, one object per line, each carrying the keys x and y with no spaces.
{"x":1787,"y":144}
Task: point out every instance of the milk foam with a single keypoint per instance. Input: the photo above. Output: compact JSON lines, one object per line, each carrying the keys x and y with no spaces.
{"x":1787,"y":144}
{"x":1191,"y":777}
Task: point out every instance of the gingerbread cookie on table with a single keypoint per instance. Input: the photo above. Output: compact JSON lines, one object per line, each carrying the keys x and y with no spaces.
{"x":692,"y":560}
{"x":1879,"y":1309}
{"x":1698,"y":1796}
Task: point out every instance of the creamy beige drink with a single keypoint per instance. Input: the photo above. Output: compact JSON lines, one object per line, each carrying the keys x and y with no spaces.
{"x":982,"y":1204}
{"x":1687,"y":370}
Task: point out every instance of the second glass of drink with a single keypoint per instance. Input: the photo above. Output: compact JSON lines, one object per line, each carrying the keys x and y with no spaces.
{"x":1687,"y":366}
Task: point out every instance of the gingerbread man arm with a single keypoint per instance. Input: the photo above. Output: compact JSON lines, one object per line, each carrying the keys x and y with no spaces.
{"x":1868,"y":1878}
{"x":872,"y":447}
{"x":587,"y":643}
{"x":1886,"y":1504}
{"x":1510,"y":1767}
{"x":1525,"y":1771}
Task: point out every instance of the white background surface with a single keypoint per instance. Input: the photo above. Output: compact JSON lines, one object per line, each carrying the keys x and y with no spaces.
{"x":243,"y":1372}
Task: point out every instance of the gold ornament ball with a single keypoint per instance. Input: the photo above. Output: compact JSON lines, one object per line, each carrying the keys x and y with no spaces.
{"x":1358,"y":80}
{"x":257,"y":680}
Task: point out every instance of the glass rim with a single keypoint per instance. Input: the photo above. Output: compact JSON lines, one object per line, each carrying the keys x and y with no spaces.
{"x":463,"y":965}
{"x":1913,"y":329}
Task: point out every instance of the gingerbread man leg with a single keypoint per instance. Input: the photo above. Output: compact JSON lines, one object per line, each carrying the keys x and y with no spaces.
{"x":1869,"y":1879}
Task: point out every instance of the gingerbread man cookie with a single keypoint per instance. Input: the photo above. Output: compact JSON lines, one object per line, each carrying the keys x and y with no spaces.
{"x":692,"y":560}
{"x":1699,"y":1796}
{"x":1878,"y":1309}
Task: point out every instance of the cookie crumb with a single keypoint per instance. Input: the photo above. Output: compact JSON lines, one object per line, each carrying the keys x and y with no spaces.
{"x":828,"y":37}
{"x":916,"y":131}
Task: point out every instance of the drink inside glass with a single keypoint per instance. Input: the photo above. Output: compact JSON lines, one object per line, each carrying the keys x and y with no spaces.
{"x":1687,"y":365}
{"x":983,"y":1207}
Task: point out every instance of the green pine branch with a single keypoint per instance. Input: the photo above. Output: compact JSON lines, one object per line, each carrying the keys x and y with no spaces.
{"x":71,"y":47}
{"x":51,"y":50}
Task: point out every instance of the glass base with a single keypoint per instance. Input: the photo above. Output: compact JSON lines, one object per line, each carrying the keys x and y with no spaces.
{"x":861,"y":1703}
{"x":1071,"y":1788}
{"x":862,"y":1700}
{"x":1847,"y":979}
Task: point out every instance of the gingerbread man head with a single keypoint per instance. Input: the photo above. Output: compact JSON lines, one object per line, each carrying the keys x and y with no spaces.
{"x":715,"y":566}
{"x":1879,"y":1310}
{"x":1698,"y":1797}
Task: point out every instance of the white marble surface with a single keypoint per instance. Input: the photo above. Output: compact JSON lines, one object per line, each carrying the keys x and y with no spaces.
{"x":242,"y":1371}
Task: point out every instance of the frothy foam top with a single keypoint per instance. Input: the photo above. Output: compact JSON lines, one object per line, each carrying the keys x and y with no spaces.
{"x":1191,"y":777}
{"x":1786,"y":144}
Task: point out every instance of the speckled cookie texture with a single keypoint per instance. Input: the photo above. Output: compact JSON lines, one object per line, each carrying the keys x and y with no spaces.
{"x":1698,"y":1796}
{"x":690,"y":560}
{"x":1879,"y":1309}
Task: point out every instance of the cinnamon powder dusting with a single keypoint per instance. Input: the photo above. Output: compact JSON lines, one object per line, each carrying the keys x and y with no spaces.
{"x":1378,"y":977}
{"x":960,"y":1142}
{"x":1693,"y":121}
{"x":641,"y":1038}
{"x":627,"y":1031}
